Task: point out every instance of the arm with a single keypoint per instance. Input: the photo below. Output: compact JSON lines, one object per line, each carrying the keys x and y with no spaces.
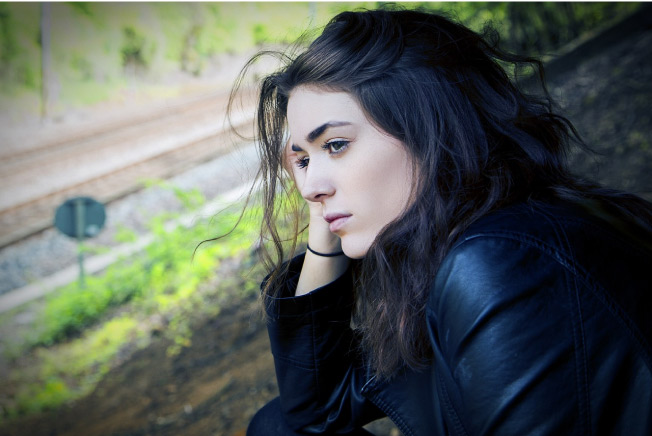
{"x":318,"y":373}
{"x":317,"y":370}
{"x":318,"y":271}
{"x":503,"y":320}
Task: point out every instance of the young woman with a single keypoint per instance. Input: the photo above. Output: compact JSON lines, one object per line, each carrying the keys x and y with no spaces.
{"x":457,"y":278}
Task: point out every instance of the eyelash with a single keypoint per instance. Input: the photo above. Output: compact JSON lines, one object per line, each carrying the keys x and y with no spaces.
{"x":341,"y":142}
{"x":303,"y":162}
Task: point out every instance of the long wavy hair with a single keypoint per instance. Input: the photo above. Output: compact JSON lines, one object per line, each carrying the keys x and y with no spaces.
{"x":478,"y":140}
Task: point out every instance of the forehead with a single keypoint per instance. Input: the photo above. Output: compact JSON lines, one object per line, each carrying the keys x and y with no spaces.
{"x":309,"y":107}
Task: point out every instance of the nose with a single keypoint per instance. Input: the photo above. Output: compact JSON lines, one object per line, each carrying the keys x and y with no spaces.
{"x":318,"y":185}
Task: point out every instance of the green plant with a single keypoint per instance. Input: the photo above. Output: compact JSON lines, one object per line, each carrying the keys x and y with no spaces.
{"x":133,"y":49}
{"x":80,"y":333}
{"x":72,"y":369}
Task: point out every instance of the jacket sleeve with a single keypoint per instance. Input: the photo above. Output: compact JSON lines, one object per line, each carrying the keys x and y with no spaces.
{"x":503,"y":319}
{"x":317,"y":369}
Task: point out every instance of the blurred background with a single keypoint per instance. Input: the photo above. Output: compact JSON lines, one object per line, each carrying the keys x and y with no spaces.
{"x":125,"y":103}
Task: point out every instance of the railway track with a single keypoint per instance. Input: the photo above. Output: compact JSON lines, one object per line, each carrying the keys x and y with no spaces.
{"x":109,"y":161}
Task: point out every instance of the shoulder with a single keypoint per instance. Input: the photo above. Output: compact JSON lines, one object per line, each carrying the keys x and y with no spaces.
{"x":583,"y":238}
{"x":505,"y":268}
{"x":560,"y":229}
{"x":524,"y":295}
{"x":509,"y":243}
{"x":530,"y":269}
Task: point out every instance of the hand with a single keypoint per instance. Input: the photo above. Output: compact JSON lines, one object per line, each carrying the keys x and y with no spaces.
{"x":320,"y":237}
{"x":316,"y":271}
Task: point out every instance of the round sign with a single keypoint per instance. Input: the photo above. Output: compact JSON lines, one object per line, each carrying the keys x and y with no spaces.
{"x":80,"y":217}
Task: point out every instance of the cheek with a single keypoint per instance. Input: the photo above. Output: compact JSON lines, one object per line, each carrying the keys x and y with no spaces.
{"x":382,"y":191}
{"x":393,"y":181}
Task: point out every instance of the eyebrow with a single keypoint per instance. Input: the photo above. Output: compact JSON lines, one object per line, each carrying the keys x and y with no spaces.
{"x":312,"y":136}
{"x":316,"y":133}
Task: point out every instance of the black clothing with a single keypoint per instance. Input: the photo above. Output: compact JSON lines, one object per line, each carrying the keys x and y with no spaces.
{"x":269,"y":421}
{"x":540,"y":321}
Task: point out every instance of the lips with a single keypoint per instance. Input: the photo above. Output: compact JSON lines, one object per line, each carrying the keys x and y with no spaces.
{"x":336,"y":221}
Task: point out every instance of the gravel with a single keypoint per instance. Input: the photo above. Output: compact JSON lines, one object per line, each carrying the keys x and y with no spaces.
{"x":41,"y":255}
{"x":605,"y":95}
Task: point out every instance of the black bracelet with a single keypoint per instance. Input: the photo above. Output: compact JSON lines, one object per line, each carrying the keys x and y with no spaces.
{"x":339,"y":253}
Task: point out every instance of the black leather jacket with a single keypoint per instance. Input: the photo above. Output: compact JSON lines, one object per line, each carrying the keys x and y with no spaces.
{"x":540,"y":320}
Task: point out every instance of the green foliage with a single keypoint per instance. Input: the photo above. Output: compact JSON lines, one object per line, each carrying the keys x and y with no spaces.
{"x":8,"y":47}
{"x":133,"y":49}
{"x":80,"y":332}
{"x":19,"y":47}
{"x":535,"y":28}
{"x":190,"y":199}
{"x":260,"y":34}
{"x":35,"y":398}
{"x":74,"y":308}
{"x":157,"y":279}
{"x":83,"y":361}
{"x":542,"y":27}
{"x":125,"y":235}
{"x":84,"y":8}
{"x":98,"y":49}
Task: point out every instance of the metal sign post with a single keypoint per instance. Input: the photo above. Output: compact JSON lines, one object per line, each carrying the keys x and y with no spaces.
{"x":80,"y":218}
{"x":79,"y":227}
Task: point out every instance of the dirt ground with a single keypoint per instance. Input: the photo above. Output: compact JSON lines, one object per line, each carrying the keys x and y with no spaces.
{"x":216,"y":385}
{"x":212,"y":387}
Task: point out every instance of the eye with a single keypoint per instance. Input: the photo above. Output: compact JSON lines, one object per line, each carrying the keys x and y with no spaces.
{"x":336,"y":146}
{"x":302,"y":162}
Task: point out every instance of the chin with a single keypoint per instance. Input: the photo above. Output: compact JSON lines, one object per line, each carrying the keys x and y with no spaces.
{"x":354,"y":249}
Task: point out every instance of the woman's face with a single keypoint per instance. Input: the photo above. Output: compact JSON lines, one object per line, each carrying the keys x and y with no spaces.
{"x":361,"y":176}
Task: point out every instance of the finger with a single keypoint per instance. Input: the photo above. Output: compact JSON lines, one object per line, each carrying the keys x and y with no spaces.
{"x":316,"y":209}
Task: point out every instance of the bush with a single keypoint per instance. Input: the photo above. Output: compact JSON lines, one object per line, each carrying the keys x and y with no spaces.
{"x":83,"y":332}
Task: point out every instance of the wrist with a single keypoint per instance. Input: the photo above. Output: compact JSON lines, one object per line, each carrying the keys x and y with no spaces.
{"x":318,"y":271}
{"x":322,"y":254}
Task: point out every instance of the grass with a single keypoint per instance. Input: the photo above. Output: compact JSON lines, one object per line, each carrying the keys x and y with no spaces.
{"x":101,"y":51}
{"x":79,"y":334}
{"x":105,"y":52}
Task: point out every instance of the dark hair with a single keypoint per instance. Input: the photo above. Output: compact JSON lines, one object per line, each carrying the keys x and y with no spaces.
{"x":478,"y":140}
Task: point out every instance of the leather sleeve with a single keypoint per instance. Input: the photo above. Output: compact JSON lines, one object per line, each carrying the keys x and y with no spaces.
{"x":503,"y":318}
{"x":318,"y":372}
